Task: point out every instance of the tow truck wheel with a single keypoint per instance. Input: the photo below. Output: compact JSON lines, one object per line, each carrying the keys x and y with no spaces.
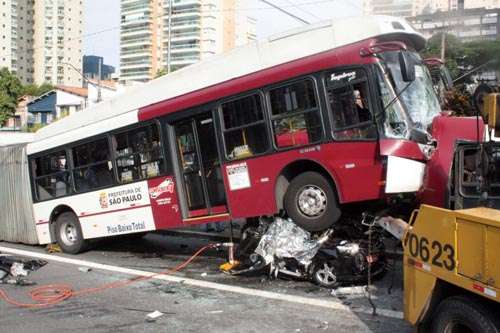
{"x":69,"y":234}
{"x":311,"y":203}
{"x":463,"y":314}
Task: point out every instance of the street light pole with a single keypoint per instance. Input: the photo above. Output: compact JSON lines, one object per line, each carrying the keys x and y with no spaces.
{"x":97,"y":86}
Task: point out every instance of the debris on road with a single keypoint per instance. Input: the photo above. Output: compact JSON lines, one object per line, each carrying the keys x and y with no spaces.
{"x":215,"y":311}
{"x":204,"y":274}
{"x":13,"y":270}
{"x":53,"y":248}
{"x":84,"y":269}
{"x":153,"y":316}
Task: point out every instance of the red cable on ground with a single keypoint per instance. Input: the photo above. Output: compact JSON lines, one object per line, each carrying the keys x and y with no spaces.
{"x":52,"y":294}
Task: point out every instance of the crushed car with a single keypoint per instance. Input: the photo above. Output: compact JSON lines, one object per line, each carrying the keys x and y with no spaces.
{"x":334,"y":257}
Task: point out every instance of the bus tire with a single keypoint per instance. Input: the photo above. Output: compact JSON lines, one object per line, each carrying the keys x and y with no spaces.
{"x":69,"y":234}
{"x":311,"y":202}
{"x":460,"y":313}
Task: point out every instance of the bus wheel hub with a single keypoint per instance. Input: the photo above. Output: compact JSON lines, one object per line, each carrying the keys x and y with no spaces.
{"x":68,"y":234}
{"x":312,"y":201}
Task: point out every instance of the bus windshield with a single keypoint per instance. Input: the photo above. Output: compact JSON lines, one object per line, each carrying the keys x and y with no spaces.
{"x":417,"y":98}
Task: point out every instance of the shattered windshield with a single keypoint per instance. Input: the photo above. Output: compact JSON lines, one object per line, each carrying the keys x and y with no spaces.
{"x":396,"y":123}
{"x":418,"y":97}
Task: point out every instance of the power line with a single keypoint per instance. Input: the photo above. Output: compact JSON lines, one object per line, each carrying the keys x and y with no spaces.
{"x":285,"y":11}
{"x":304,"y":10}
{"x":99,"y":32}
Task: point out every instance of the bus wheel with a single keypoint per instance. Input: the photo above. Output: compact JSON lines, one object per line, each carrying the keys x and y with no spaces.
{"x":311,"y":203}
{"x":69,"y":234}
{"x":463,"y":314}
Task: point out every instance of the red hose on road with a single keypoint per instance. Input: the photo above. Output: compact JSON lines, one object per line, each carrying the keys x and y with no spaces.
{"x":52,"y":294}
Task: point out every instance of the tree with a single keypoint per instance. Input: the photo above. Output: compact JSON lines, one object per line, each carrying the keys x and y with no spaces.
{"x":35,"y":90}
{"x":10,"y":90}
{"x":461,"y":57}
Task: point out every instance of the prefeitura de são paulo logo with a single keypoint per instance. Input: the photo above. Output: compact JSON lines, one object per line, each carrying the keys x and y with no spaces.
{"x":103,"y":200}
{"x":166,"y":186}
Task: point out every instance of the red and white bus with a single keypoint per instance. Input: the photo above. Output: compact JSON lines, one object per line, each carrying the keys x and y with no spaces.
{"x":304,"y":122}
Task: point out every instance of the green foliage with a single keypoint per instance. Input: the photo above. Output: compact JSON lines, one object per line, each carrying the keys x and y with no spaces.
{"x":35,"y":90}
{"x":35,"y":127}
{"x":161,"y":72}
{"x":461,"y":57}
{"x":10,"y":90}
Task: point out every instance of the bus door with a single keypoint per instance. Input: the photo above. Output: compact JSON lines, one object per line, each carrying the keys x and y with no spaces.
{"x":200,"y":167}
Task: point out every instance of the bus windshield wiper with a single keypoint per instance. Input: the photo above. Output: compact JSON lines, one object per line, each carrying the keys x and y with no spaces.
{"x":397,"y":96}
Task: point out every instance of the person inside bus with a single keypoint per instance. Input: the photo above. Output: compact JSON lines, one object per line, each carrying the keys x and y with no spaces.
{"x":362,"y":111}
{"x":103,"y":170}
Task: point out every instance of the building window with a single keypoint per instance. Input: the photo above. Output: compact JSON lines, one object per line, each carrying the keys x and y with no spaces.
{"x":92,"y":167}
{"x":244,"y":127}
{"x":51,"y":176}
{"x":295,"y":115}
{"x":138,"y":154}
{"x":347,"y":97}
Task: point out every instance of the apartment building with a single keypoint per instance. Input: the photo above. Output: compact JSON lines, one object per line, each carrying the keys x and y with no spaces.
{"x":40,"y":38}
{"x":152,"y":39}
{"x":9,"y":35}
{"x":407,"y":8}
{"x":467,"y":24}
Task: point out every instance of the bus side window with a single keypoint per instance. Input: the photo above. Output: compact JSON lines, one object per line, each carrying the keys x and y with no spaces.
{"x":138,"y":153}
{"x":92,"y":166}
{"x":295,"y":115}
{"x":51,"y":175}
{"x":244,"y":127}
{"x":350,"y":111}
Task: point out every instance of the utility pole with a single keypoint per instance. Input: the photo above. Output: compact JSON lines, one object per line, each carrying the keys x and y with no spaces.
{"x":169,"y":48}
{"x":99,"y":73}
{"x":443,"y":35}
{"x":98,"y":87}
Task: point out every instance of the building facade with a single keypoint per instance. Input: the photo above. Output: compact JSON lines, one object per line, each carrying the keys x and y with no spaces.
{"x":152,"y":40}
{"x":91,"y":68}
{"x":467,"y":24}
{"x":43,"y":37}
{"x":408,"y":8}
{"x":55,"y":104}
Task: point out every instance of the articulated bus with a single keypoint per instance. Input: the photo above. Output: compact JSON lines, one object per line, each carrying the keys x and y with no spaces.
{"x":305,"y":122}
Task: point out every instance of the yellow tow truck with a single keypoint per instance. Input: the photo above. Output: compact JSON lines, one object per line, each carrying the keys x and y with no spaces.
{"x":452,"y":256}
{"x":452,"y":270}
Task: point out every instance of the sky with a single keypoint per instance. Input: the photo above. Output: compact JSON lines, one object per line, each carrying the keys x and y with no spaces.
{"x":102,"y":20}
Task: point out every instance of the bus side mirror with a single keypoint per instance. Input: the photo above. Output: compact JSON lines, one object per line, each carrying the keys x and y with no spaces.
{"x":407,"y":65}
{"x":446,"y":77}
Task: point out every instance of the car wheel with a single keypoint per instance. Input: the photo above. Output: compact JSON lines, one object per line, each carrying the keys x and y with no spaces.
{"x":324,"y":275}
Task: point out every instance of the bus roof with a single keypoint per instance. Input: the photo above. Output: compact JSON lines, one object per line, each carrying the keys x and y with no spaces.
{"x":295,"y":44}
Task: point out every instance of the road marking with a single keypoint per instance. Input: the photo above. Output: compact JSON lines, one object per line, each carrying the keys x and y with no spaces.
{"x":204,"y":284}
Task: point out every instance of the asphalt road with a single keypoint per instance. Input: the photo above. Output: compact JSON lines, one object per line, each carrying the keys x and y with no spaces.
{"x":202,"y":299}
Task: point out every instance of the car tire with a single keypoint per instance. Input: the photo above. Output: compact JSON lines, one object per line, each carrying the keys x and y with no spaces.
{"x":311,"y":202}
{"x":69,"y":234}
{"x":324,"y":274}
{"x":460,"y":312}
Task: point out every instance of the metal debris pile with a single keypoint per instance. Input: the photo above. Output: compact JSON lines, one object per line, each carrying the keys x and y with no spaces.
{"x":284,"y":249}
{"x":14,"y":270}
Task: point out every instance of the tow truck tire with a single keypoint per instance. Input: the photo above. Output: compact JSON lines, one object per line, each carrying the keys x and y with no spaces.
{"x":69,"y":234}
{"x":463,"y":314}
{"x":311,"y":202}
